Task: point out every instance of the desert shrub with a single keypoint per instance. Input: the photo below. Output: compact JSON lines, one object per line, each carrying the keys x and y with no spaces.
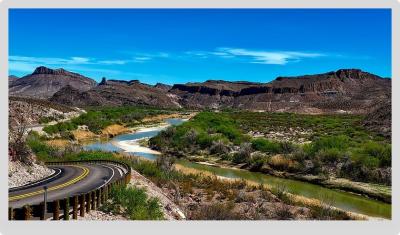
{"x":244,"y":153}
{"x":133,"y":203}
{"x":281,"y":162}
{"x":165,"y":163}
{"x":46,"y":119}
{"x":60,"y":127}
{"x":340,"y":142}
{"x":281,"y":192}
{"x":382,"y":152}
{"x":219,"y":147}
{"x":42,"y":151}
{"x":256,"y":161}
{"x":149,"y":169}
{"x":286,"y":147}
{"x":300,"y":155}
{"x":265,"y":145}
{"x":330,"y":155}
{"x":191,"y":136}
{"x":215,"y":211}
{"x":283,"y":212}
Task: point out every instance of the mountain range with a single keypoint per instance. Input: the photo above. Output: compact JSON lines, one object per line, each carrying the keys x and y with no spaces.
{"x":342,"y":91}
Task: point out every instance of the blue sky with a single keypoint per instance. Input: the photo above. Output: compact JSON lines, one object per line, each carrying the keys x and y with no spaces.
{"x":194,"y":45}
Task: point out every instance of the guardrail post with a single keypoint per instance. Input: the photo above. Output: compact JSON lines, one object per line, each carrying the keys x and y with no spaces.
{"x":128,"y":178}
{"x":66,"y":208}
{"x":75,"y":207}
{"x":88,"y":202}
{"x":101,"y":192}
{"x":26,"y":212}
{"x":105,"y":192}
{"x":10,"y":213}
{"x":93,"y":200}
{"x":98,"y":195}
{"x":42,"y":209}
{"x":56,"y":210}
{"x":82,"y":205}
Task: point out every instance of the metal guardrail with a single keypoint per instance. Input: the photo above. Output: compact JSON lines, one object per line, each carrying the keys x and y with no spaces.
{"x":62,"y":209}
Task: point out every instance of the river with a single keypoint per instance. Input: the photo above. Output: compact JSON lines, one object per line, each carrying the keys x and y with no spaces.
{"x":343,"y":200}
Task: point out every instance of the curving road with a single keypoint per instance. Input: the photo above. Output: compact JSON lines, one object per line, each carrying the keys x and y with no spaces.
{"x":68,"y":180}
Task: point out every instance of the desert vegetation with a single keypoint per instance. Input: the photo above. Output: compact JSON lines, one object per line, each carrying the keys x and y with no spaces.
{"x":202,"y":197}
{"x":133,"y":203}
{"x":329,"y":146}
{"x":98,"y":118}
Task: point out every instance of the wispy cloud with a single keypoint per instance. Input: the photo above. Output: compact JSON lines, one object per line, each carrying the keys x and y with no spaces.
{"x":26,"y":64}
{"x":270,"y":57}
{"x":141,"y":59}
{"x":256,"y":56}
{"x":63,"y":61}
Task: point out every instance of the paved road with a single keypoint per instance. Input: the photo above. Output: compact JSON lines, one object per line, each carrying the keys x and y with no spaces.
{"x":71,"y":180}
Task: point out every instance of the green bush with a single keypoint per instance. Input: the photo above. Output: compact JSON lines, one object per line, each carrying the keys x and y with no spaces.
{"x":383,"y":152}
{"x":330,"y":155}
{"x":133,"y":203}
{"x":265,"y":145}
{"x":338,"y":142}
{"x":60,"y":127}
{"x":256,"y":161}
{"x":42,"y":151}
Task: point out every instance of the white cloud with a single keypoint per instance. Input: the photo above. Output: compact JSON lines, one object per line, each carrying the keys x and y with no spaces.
{"x":79,"y":60}
{"x":141,"y":59}
{"x":111,"y":62}
{"x":266,"y":57}
{"x":28,"y":64}
{"x":49,"y":60}
{"x":254,"y":56}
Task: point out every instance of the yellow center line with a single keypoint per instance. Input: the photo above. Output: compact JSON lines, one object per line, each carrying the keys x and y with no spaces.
{"x":80,"y":177}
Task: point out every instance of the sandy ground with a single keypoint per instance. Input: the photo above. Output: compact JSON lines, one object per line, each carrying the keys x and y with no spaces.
{"x":133,"y":146}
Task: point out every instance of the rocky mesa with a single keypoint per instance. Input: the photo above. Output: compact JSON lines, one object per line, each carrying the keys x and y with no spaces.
{"x":44,"y":82}
{"x":346,"y":90}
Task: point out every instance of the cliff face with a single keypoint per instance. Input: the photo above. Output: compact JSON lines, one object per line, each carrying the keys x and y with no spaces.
{"x":44,"y":82}
{"x":348,"y":90}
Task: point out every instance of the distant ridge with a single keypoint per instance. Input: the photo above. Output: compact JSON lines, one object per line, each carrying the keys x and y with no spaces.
{"x":341,"y":91}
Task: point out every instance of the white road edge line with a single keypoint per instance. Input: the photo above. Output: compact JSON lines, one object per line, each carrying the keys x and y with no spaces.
{"x":112,"y":175}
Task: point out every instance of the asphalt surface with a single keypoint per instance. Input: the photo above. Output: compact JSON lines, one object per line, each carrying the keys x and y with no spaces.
{"x":71,"y":180}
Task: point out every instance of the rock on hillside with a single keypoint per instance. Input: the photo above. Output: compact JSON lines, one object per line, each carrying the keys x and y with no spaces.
{"x":44,"y":82}
{"x":116,"y":93}
{"x":380,"y":119}
{"x":30,"y":111}
{"x":12,"y":79}
{"x":163,"y":86}
{"x":20,"y":174}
